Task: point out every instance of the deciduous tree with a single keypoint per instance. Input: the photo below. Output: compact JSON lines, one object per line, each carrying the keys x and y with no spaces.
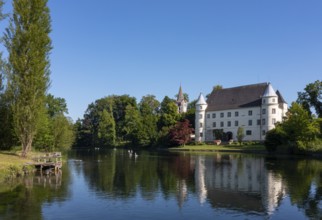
{"x":28,"y":43}
{"x":240,"y":135}
{"x":312,"y":97}
{"x":180,"y":134}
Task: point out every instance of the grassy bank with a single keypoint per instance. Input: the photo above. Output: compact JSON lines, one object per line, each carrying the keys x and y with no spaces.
{"x":222,"y":148}
{"x":11,"y":164}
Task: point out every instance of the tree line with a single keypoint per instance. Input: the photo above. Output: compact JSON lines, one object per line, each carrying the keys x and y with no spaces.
{"x":29,"y":116}
{"x":118,"y":120}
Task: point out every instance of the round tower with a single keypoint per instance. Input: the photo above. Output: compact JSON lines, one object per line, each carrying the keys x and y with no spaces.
{"x":200,"y":123}
{"x":269,"y":110}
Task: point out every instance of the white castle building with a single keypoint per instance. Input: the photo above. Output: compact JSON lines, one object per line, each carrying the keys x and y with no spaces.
{"x":256,"y":108}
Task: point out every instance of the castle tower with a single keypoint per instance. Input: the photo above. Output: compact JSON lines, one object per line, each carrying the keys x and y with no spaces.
{"x":181,"y":102}
{"x":269,"y":110}
{"x":200,"y":127}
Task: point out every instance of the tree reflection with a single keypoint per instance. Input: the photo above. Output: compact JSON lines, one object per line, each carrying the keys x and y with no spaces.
{"x":304,"y":183}
{"x":235,"y":182}
{"x":25,"y":197}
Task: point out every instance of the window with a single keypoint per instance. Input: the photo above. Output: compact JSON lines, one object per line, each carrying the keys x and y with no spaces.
{"x":273,"y":100}
{"x":236,"y":123}
{"x":250,"y":122}
{"x":273,"y":111}
{"x":263,"y":121}
{"x":236,"y":114}
{"x":250,"y":112}
{"x":201,"y":134}
{"x":263,"y":111}
{"x":222,"y":124}
{"x":263,"y":101}
{"x":208,"y":115}
{"x":248,"y":132}
{"x":228,"y":114}
{"x":221,"y":114}
{"x":229,"y":123}
{"x":200,"y":125}
{"x":200,"y":116}
{"x":214,"y":124}
{"x":200,"y":106}
{"x":258,"y":122}
{"x":263,"y":132}
{"x":273,"y":121}
{"x":213,"y":115}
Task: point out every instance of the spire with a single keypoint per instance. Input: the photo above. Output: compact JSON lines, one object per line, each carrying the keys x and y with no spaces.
{"x":269,"y":92}
{"x":180,"y":95}
{"x":201,"y":100}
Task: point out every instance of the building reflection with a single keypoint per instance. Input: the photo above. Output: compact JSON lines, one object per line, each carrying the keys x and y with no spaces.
{"x":227,"y":181}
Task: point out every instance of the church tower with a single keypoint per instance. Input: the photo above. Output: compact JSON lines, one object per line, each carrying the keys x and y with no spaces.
{"x":200,"y":126}
{"x":181,"y":102}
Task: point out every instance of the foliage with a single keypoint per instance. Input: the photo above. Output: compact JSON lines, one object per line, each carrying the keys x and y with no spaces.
{"x":312,"y":97}
{"x":300,"y":126}
{"x":274,"y":138}
{"x":106,"y":129}
{"x":218,"y":134}
{"x":149,"y":109}
{"x":180,"y":134}
{"x":55,"y":131}
{"x":300,"y":132}
{"x":55,"y":105}
{"x":28,"y":43}
{"x":133,"y":125}
{"x":240,"y":135}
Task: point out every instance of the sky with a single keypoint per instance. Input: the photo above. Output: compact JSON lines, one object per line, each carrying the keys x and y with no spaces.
{"x":141,"y":47}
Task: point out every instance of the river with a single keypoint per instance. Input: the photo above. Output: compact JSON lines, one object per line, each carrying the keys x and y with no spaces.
{"x":120,"y":184}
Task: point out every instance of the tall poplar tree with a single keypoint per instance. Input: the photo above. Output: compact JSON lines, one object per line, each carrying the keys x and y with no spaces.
{"x":28,"y":43}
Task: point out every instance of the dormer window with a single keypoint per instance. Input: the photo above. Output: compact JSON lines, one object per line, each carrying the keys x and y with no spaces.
{"x":200,"y":106}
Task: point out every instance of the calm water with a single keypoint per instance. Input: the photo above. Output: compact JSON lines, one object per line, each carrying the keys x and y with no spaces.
{"x":119,"y":185}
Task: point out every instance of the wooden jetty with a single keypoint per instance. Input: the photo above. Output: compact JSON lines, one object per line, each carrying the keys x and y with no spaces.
{"x":50,"y":161}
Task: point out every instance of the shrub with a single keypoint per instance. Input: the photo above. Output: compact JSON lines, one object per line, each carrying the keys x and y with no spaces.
{"x":274,"y":138}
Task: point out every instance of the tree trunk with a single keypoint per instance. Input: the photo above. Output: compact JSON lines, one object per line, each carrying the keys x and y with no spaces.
{"x":26,"y":147}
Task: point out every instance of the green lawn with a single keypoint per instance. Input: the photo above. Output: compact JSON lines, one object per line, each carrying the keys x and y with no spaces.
{"x":226,"y":148}
{"x":11,"y":163}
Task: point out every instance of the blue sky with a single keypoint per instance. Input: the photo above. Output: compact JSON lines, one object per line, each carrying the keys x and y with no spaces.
{"x":140,"y":47}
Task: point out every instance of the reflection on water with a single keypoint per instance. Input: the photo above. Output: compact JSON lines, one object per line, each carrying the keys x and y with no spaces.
{"x":119,"y":184}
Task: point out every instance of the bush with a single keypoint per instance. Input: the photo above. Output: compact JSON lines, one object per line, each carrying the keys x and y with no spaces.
{"x":274,"y":138}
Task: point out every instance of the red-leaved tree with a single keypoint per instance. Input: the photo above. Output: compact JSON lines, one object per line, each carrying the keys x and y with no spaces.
{"x":180,"y":134}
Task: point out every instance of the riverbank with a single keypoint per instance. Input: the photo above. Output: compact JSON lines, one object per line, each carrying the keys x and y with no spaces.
{"x":259,"y":149}
{"x":11,"y":164}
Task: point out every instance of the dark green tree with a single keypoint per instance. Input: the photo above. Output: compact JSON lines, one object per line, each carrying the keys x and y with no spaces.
{"x":55,"y":130}
{"x":106,"y":129}
{"x":28,"y":43}
{"x":300,"y":127}
{"x":133,"y":128}
{"x":149,"y":108}
{"x":6,"y":135}
{"x":312,"y":97}
{"x":169,"y":113}
{"x":55,"y":105}
{"x":119,"y":104}
{"x":62,"y":130}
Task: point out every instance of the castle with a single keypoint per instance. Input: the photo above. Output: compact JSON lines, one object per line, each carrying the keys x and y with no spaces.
{"x":256,"y":108}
